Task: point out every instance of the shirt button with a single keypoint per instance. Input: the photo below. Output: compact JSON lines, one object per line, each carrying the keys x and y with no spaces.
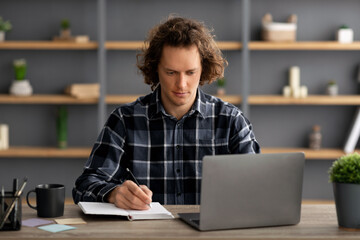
{"x":179,"y":194}
{"x":177,"y":147}
{"x":178,"y":170}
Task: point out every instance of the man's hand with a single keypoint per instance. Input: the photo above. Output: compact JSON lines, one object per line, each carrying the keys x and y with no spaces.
{"x":131,"y":196}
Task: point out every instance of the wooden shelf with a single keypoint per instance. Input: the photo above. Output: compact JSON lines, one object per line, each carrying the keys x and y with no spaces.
{"x":328,"y":45}
{"x":45,"y":99}
{"x":45,"y":152}
{"x":351,"y":100}
{"x":122,"y":99}
{"x":84,"y":152}
{"x":47,"y":45}
{"x":322,"y":154}
{"x":135,"y":45}
{"x":310,"y":100}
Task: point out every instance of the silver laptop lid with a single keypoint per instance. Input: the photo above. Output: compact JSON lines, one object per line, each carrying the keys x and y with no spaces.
{"x":251,"y":190}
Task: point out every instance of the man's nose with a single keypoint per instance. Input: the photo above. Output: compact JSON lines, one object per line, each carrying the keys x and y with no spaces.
{"x":181,"y":81}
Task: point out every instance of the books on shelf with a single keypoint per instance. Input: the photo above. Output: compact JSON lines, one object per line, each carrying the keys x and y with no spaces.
{"x":157,"y":211}
{"x":354,"y":133}
{"x":83,"y":90}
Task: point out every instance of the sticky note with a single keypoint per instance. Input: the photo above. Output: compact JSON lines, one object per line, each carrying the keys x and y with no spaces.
{"x":54,"y":228}
{"x":34,"y":222}
{"x":70,"y":221}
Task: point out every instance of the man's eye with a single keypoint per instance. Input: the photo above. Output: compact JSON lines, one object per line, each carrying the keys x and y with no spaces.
{"x":170,"y":73}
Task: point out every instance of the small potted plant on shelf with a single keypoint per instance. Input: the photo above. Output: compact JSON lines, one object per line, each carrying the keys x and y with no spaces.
{"x":221,"y":82}
{"x":65,"y":32}
{"x":345,"y":34}
{"x":332,"y":88}
{"x":345,"y":177}
{"x":5,"y":26}
{"x":20,"y":86}
{"x":61,"y":127}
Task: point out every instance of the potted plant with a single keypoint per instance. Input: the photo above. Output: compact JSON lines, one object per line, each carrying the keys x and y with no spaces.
{"x":345,"y":34}
{"x":345,"y":177}
{"x":5,"y":26}
{"x":20,"y":86}
{"x":65,"y":32}
{"x":332,"y":88}
{"x":221,"y":82}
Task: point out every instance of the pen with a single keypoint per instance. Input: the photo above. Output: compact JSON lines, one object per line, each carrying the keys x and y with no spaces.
{"x":15,"y":188}
{"x":134,"y":179}
{"x":2,"y":200}
{"x":8,"y":211}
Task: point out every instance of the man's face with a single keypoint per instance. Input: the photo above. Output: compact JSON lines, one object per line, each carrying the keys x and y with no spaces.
{"x":179,"y":72}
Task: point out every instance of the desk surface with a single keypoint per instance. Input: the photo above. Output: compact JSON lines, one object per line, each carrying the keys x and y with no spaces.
{"x":317,"y":222}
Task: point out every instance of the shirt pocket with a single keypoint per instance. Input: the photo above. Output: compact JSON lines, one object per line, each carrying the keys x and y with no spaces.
{"x":213,"y":147}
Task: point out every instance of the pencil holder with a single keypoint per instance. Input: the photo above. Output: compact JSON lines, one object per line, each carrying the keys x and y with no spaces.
{"x":13,"y":221}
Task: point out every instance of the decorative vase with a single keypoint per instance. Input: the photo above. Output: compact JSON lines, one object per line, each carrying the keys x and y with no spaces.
{"x":332,"y":90}
{"x":345,"y":35}
{"x":347,"y":198}
{"x":2,"y":36}
{"x":21,"y":88}
{"x":221,"y":91}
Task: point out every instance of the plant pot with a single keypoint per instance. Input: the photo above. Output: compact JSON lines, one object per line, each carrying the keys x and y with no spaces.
{"x":21,"y":88}
{"x":332,"y":90}
{"x":2,"y":36}
{"x":221,"y":91}
{"x":347,"y":201}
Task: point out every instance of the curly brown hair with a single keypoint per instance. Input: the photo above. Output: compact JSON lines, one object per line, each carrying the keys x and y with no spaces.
{"x":181,"y":32}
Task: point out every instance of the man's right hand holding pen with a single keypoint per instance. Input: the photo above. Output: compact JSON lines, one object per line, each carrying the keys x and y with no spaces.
{"x":131,"y":195}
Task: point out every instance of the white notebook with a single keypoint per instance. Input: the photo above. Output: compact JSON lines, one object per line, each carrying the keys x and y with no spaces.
{"x":157,"y":211}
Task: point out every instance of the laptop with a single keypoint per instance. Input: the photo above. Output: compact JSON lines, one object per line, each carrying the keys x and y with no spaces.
{"x":249,"y":190}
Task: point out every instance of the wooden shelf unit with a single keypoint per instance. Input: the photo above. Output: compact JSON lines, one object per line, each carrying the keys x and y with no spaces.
{"x":304,"y":45}
{"x":45,"y":99}
{"x":135,"y":45}
{"x":47,"y":45}
{"x":45,"y":152}
{"x":84,"y":152}
{"x":310,"y":100}
{"x":121,"y":99}
{"x":109,"y":45}
{"x":351,"y":100}
{"x":322,"y":154}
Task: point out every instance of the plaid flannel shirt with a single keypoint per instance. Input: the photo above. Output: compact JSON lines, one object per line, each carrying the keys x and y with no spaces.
{"x":163,"y":153}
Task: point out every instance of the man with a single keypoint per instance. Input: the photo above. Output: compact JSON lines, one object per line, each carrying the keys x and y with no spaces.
{"x":162,"y":137}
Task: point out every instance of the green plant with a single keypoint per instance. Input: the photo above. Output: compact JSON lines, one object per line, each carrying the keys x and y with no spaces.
{"x":5,"y":26}
{"x":332,"y":83}
{"x":221,"y":82}
{"x":20,"y":67}
{"x":61,"y":127}
{"x":65,"y":24}
{"x":344,"y":26}
{"x":346,"y":169}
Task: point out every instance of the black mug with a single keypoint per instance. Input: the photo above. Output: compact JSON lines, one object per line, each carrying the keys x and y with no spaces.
{"x":50,"y":200}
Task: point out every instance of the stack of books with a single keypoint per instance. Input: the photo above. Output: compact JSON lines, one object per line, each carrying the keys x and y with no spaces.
{"x":83,"y":90}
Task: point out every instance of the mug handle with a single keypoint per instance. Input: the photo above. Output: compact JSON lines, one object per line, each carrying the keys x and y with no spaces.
{"x":27,"y":199}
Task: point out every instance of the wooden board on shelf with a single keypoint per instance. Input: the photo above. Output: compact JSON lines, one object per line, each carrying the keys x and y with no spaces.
{"x":135,"y":45}
{"x":352,"y":100}
{"x":122,"y":99}
{"x":322,"y":154}
{"x":45,"y":99}
{"x":45,"y":152}
{"x":47,"y":45}
{"x":303,"y":45}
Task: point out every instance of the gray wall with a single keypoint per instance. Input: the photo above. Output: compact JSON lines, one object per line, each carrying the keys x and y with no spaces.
{"x":275,"y":126}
